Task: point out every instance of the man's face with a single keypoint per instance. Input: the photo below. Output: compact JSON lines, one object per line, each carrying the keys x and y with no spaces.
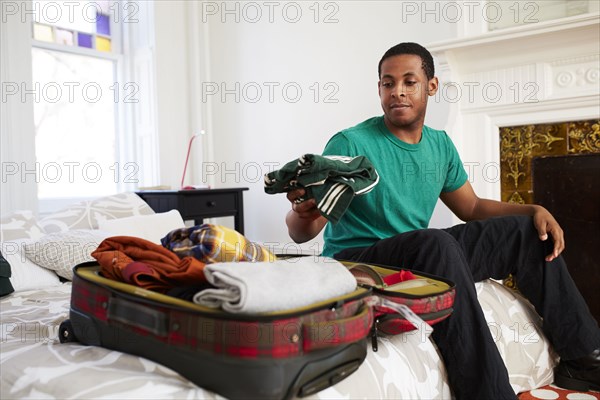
{"x":403,"y":90}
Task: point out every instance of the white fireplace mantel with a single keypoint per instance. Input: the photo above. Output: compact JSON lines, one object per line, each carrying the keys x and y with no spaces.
{"x":536,"y":73}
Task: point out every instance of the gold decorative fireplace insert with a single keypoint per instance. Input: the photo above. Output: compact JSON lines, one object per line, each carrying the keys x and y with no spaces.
{"x":520,"y":144}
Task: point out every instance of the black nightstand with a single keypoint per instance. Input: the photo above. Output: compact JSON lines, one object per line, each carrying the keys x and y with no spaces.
{"x":199,"y":204}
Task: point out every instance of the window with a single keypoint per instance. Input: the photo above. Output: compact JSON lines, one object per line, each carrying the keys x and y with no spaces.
{"x":83,"y":99}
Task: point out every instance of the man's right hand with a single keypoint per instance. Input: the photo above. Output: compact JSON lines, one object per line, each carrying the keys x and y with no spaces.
{"x":306,"y":209}
{"x":304,"y":220}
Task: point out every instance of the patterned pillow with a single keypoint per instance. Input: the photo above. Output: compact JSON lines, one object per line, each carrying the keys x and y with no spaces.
{"x":149,"y":227}
{"x":25,"y":275}
{"x":19,"y":225}
{"x":61,"y":251}
{"x":87,"y":214}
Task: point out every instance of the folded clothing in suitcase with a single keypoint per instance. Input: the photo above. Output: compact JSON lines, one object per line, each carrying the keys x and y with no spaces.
{"x":430,"y":297}
{"x":268,"y":355}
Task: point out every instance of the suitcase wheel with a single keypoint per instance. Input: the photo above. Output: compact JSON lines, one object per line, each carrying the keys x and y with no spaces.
{"x":66,"y":333}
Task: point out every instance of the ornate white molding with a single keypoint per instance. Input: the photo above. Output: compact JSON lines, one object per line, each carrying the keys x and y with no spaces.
{"x":516,"y":69}
{"x":565,"y":78}
{"x":581,"y":74}
{"x":534,"y":31}
{"x":576,"y":60}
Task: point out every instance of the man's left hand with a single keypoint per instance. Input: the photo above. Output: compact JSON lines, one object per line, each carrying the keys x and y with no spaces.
{"x":546,"y":224}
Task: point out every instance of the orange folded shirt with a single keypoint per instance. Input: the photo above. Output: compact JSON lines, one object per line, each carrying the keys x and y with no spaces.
{"x":146,"y":264}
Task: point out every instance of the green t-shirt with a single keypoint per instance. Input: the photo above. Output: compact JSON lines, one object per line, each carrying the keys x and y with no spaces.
{"x":411,"y":178}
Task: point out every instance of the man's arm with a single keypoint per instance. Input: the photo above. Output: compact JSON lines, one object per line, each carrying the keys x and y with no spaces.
{"x":467,"y":206}
{"x":304,"y":221}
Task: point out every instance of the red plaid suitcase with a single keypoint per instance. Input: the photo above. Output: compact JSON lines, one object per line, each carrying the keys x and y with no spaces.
{"x":270,"y":356}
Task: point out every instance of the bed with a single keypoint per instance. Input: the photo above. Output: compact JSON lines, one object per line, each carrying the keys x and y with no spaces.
{"x":34,"y":364}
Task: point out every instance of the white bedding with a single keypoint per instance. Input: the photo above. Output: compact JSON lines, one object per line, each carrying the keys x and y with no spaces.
{"x":35,"y":365}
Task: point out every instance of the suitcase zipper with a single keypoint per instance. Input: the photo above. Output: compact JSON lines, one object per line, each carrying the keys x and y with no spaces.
{"x":424,"y":317}
{"x":391,"y":293}
{"x":374,"y":337}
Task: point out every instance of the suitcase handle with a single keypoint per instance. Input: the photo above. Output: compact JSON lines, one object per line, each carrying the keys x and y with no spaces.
{"x":138,"y":316}
{"x":332,"y":333}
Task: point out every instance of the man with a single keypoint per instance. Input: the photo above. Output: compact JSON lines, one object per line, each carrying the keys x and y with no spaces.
{"x":416,"y":165}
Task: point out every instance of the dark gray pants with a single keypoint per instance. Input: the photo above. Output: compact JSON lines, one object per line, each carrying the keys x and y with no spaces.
{"x":479,"y":250}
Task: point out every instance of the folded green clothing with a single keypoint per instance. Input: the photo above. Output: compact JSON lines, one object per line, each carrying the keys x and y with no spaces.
{"x":332,"y":181}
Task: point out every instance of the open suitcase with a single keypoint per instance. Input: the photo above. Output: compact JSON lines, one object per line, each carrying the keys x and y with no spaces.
{"x":403,"y":305}
{"x":267,"y":356}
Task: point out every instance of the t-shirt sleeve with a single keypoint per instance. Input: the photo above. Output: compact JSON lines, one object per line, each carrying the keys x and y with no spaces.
{"x":339,"y":145}
{"x":456,"y":176}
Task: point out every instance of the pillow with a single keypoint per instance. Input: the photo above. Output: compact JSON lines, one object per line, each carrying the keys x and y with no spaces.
{"x":88,"y":214}
{"x":149,"y":227}
{"x":26,"y":275}
{"x":61,"y":251}
{"x":19,"y":225}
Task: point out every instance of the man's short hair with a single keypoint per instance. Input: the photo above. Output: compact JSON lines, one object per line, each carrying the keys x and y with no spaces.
{"x":411,"y":48}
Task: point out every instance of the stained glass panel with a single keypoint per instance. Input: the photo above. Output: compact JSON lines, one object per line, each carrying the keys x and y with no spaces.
{"x":103,"y":24}
{"x":64,"y":37}
{"x":84,"y":40}
{"x":43,"y":33}
{"x":79,"y":15}
{"x":102,"y":44}
{"x":72,"y":23}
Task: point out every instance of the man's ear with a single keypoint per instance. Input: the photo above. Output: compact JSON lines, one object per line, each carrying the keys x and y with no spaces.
{"x":432,"y":86}
{"x":379,"y":88}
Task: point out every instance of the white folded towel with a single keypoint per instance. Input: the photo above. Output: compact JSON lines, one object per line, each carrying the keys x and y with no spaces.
{"x":259,"y":287}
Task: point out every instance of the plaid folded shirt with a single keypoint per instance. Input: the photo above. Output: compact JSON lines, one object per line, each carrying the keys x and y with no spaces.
{"x":214,"y":243}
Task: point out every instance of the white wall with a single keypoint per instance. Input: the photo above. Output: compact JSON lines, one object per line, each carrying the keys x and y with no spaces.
{"x":17,"y":141}
{"x":249,"y":135}
{"x":172,"y":88}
